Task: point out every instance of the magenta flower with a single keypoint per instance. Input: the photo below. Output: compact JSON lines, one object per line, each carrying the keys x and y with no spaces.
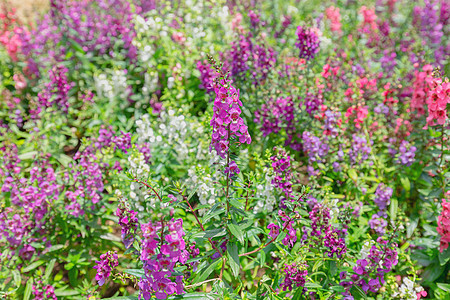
{"x":274,"y":230}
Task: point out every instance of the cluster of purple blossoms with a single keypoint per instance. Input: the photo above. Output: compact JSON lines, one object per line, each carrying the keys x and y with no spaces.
{"x":207,"y":76}
{"x":158,"y":267}
{"x":307,"y":42}
{"x":263,"y":61}
{"x":276,"y":115}
{"x":388,"y":61}
{"x":295,"y":276}
{"x":128,"y":222}
{"x":331,"y":120}
{"x":254,"y":19}
{"x":287,"y":20}
{"x":312,"y":102}
{"x":432,"y":27}
{"x":371,"y":268}
{"x":360,"y":150}
{"x":123,"y":141}
{"x":239,"y":56}
{"x":107,"y":263}
{"x":144,"y":148}
{"x":85,"y":175}
{"x":55,"y":92}
{"x":41,"y":292}
{"x":106,"y":138}
{"x":227,"y":122}
{"x":245,"y":55}
{"x":406,"y":153}
{"x":94,"y":26}
{"x":291,"y":232}
{"x":281,"y":164}
{"x":381,"y":109}
{"x":378,"y":222}
{"x":31,"y":196}
{"x":383,"y":196}
{"x":316,"y":149}
{"x":322,"y":232}
{"x":335,"y":242}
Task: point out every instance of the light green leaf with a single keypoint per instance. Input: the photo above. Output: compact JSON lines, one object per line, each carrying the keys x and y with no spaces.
{"x":237,"y":232}
{"x":233,"y":258}
{"x":32,"y":266}
{"x":205,"y":273}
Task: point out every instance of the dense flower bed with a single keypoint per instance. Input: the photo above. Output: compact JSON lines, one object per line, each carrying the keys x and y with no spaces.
{"x":225,"y":150}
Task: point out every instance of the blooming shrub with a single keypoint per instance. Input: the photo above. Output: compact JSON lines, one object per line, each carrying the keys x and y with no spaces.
{"x":225,"y":150}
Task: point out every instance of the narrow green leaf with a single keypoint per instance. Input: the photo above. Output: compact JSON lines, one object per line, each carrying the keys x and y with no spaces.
{"x":27,"y":292}
{"x":49,"y":269}
{"x":237,"y":232}
{"x":135,"y":272}
{"x":17,"y":278}
{"x":233,"y":258}
{"x":204,"y":274}
{"x":32,"y":266}
{"x":65,"y":292}
{"x":262,"y":258}
{"x":393,"y":208}
{"x":357,"y":292}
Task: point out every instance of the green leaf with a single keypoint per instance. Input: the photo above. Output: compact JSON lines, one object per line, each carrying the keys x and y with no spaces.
{"x":27,"y":292}
{"x":262,"y":258}
{"x":49,"y":269}
{"x":393,"y":208}
{"x":412,"y":226}
{"x":406,"y":184}
{"x":32,"y":266}
{"x":140,"y":273}
{"x":310,"y":285}
{"x":237,"y":232}
{"x":204,"y":274}
{"x":195,"y":296}
{"x":233,"y":258}
{"x":444,"y":257}
{"x":432,"y":272}
{"x":338,"y":288}
{"x":298,"y":293}
{"x":66,"y":292}
{"x":216,"y":232}
{"x":28,"y":155}
{"x":357,"y":292}
{"x":443,"y":286}
{"x":352,"y":174}
{"x":212,"y":215}
{"x":17,"y":278}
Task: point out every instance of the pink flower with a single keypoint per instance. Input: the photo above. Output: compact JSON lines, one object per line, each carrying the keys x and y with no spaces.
{"x":334,"y":16}
{"x":444,"y":225}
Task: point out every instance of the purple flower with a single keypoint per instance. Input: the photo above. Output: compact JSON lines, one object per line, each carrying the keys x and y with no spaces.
{"x":281,"y":164}
{"x":383,"y":196}
{"x":360,"y":150}
{"x":129,"y":223}
{"x":295,"y":276}
{"x":307,"y":42}
{"x":107,"y":263}
{"x":226,"y":121}
{"x":406,"y":153}
{"x":378,"y":222}
{"x":159,"y":267}
{"x":274,"y":230}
